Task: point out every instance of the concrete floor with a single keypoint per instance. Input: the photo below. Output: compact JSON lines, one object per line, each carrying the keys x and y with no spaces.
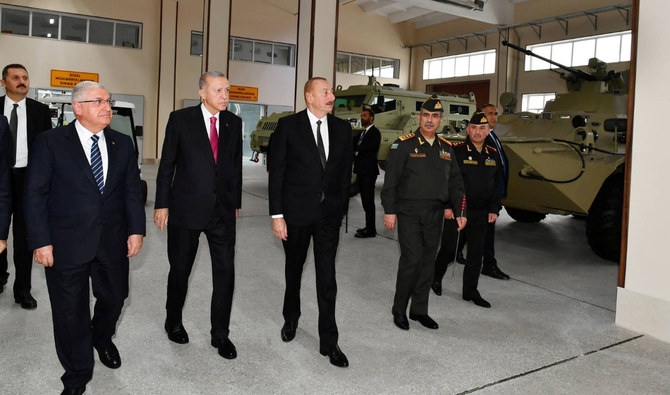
{"x":551,"y":329}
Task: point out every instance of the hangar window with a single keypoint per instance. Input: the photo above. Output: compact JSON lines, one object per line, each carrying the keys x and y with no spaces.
{"x":256,"y":51}
{"x":35,"y":22}
{"x":534,"y":102}
{"x":367,"y":65}
{"x":610,"y":48}
{"x":475,"y":63}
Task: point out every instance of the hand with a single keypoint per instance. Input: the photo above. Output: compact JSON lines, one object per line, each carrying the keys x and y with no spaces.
{"x":237,"y":213}
{"x":161,"y":218}
{"x":448,"y":213}
{"x":279,"y":228}
{"x":3,"y":245}
{"x":134,"y":245}
{"x":389,"y":221}
{"x":461,"y":221}
{"x":492,"y":217}
{"x":44,"y":256}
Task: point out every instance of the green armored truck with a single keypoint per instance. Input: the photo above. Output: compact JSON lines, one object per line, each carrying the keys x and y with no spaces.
{"x":396,"y":113}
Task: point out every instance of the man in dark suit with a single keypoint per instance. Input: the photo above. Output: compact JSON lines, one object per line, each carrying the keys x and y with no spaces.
{"x":309,"y":164}
{"x":5,"y":184}
{"x":85,"y":218}
{"x":366,"y":147}
{"x":199,"y":184}
{"x":26,"y":119}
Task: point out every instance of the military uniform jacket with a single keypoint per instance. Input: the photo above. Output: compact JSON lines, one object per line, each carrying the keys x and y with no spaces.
{"x":416,"y":170}
{"x":482,"y":175}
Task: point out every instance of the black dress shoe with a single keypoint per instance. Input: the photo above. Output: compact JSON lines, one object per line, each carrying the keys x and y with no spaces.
{"x":288,"y":330}
{"x":359,"y":230}
{"x":400,"y":320}
{"x":495,"y":272}
{"x":176,"y":333}
{"x":336,"y":356}
{"x":73,"y":390}
{"x":226,"y":348}
{"x":479,"y":301}
{"x":109,"y":356}
{"x":437,"y":287}
{"x":425,"y":320}
{"x":460,"y":258}
{"x":365,"y":233}
{"x":26,"y":300}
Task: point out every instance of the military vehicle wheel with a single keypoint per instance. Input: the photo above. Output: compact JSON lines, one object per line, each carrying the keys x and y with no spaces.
{"x":524,"y":215}
{"x":603,"y":225}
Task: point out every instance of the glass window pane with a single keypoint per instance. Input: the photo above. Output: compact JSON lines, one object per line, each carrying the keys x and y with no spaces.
{"x":357,"y":65}
{"x":127,"y":35}
{"x":536,"y":101}
{"x":476,"y":65}
{"x":342,"y":62}
{"x":73,"y":29}
{"x":562,"y":53}
{"x":582,"y":51}
{"x":426,"y":64}
{"x":462,"y":66}
{"x":196,"y":43}
{"x":100,"y":32}
{"x":282,"y":55}
{"x":490,"y":63}
{"x":372,"y":67}
{"x":388,"y":69}
{"x":538,"y":64}
{"x":262,"y":52}
{"x":434,"y":70}
{"x":45,"y":25}
{"x":448,"y":68}
{"x":625,"y":48}
{"x":608,"y":49}
{"x":15,"y":21}
{"x":242,"y":50}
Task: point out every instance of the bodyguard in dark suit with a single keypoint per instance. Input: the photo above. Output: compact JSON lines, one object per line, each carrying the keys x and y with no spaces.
{"x":199,"y":189}
{"x":85,"y":218}
{"x":309,"y":164}
{"x":26,"y":119}
{"x":366,"y":147}
{"x":5,"y":184}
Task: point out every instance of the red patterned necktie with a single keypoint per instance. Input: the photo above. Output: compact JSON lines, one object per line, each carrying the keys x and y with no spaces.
{"x":213,"y":137}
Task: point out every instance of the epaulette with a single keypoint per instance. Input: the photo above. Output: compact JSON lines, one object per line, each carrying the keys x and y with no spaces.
{"x":444,"y":140}
{"x":491,"y":148}
{"x":407,"y":136}
{"x":460,"y":144}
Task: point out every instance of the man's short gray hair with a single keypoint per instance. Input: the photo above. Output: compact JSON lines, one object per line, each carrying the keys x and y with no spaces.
{"x":207,"y":74}
{"x":81,"y":88}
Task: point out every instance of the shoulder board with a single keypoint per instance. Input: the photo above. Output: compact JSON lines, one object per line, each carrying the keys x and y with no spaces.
{"x":406,"y":137}
{"x":492,"y":148}
{"x":444,"y":140}
{"x":462,"y":143}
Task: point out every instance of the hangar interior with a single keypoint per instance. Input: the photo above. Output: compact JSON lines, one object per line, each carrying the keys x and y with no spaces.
{"x":567,"y":322}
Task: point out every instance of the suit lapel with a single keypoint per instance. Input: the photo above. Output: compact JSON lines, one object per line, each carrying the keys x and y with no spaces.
{"x":112,"y":159}
{"x":307,"y":135}
{"x":76,"y":152}
{"x":201,"y":138}
{"x":2,"y":106}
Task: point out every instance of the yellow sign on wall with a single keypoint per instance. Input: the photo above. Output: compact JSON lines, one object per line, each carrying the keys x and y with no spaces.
{"x":68,"y":79}
{"x":243,"y":93}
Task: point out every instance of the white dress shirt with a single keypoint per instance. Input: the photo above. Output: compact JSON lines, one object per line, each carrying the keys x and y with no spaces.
{"x":206,"y":116}
{"x":86,"y":142}
{"x":324,"y":130}
{"x":21,"y":130}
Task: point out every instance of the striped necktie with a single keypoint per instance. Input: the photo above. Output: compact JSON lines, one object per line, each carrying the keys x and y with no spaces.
{"x":96,"y":164}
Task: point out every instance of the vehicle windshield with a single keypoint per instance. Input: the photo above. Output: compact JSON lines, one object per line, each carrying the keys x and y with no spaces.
{"x":349,"y":102}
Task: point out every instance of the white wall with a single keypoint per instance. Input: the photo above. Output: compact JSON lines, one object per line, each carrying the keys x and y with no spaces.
{"x":643,"y":304}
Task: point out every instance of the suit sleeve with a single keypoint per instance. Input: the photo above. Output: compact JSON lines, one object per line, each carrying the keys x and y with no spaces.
{"x":167,"y":164}
{"x":135,"y":215}
{"x":395,"y":164}
{"x":346,"y":173}
{"x":277,"y":157}
{"x":494,"y":200}
{"x":5,"y":179}
{"x":37,"y":192}
{"x":238,"y":163}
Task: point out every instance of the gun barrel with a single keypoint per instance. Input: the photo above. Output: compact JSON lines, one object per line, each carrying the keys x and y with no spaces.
{"x":577,"y":72}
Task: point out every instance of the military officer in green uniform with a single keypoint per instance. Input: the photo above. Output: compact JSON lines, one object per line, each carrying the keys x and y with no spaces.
{"x":481,"y":168}
{"x":421,"y":184}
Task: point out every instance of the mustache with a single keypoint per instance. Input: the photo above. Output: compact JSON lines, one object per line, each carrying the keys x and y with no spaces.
{"x":21,"y":86}
{"x":428,"y":124}
{"x":330,"y":103}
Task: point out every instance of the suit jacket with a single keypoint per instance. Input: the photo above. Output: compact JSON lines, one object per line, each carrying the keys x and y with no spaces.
{"x":365,"y":162}
{"x":492,"y":140}
{"x":299,"y":187}
{"x":5,"y":179}
{"x":64,"y":207}
{"x":38,"y":118}
{"x":189,"y":182}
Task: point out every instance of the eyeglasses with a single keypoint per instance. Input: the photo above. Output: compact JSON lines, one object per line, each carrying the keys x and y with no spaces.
{"x":99,"y":102}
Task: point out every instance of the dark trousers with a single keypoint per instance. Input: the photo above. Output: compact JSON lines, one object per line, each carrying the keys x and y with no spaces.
{"x":366,"y":186}
{"x":489,"y":254}
{"x":419,"y":227}
{"x":326,"y":237}
{"x":182,"y":248}
{"x":475,"y":231}
{"x":75,"y":333}
{"x":23,"y":259}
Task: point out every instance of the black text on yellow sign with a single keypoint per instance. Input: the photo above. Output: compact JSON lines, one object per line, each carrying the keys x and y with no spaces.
{"x":68,"y":79}
{"x":243,"y":93}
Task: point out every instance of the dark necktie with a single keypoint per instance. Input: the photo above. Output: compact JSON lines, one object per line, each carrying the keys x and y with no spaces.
{"x":96,"y":164}
{"x":319,"y":144}
{"x":13,"y":127}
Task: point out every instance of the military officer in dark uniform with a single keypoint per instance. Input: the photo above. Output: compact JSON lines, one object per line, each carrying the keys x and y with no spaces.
{"x":479,"y":164}
{"x":421,"y":184}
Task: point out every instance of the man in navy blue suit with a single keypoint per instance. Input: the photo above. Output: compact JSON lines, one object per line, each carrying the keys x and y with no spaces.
{"x":85,"y":217}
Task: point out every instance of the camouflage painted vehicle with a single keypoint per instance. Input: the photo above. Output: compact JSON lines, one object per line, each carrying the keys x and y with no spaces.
{"x":396,"y":113}
{"x":569,"y":159}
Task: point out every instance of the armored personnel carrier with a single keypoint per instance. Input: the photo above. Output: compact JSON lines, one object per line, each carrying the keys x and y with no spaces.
{"x":569,"y":159}
{"x":396,"y":113}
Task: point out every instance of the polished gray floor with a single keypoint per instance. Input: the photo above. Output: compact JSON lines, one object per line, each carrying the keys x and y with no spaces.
{"x":551,"y":329}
